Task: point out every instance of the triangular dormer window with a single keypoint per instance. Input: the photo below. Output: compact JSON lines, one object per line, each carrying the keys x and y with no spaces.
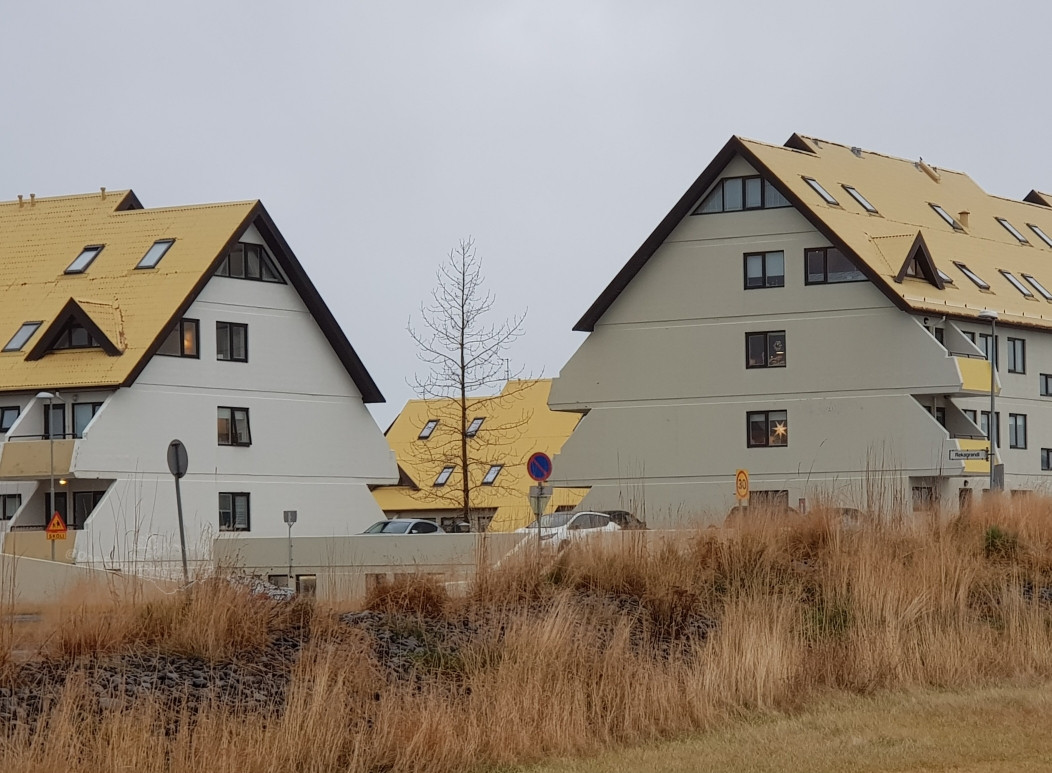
{"x":919,"y":265}
{"x":73,"y":328}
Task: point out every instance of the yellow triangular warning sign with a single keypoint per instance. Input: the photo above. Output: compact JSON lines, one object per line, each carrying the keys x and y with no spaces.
{"x":57,"y":525}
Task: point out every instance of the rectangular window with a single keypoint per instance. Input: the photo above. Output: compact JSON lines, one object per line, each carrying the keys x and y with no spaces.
{"x":233,"y":427}
{"x":939,"y":413}
{"x":1012,"y":230}
{"x":491,"y":474}
{"x":250,"y":261}
{"x":827,"y":197}
{"x":60,"y":506}
{"x":828,"y":265}
{"x":1016,"y":355}
{"x":764,"y":269}
{"x":860,"y":199}
{"x":9,"y":504}
{"x":1017,"y":430}
{"x":1016,"y":283}
{"x":1046,"y":458}
{"x":443,"y":476}
{"x":234,"y":512}
{"x":21,"y":336}
{"x":425,"y":433}
{"x":1046,"y":384}
{"x":988,"y":346}
{"x":980,"y":283}
{"x":84,"y":502}
{"x":182,"y":341}
{"x":984,"y":426}
{"x":473,"y":428}
{"x":734,"y":194}
{"x":1041,"y":234}
{"x":1038,"y":286}
{"x":155,"y":253}
{"x":231,"y":342}
{"x":83,"y":260}
{"x":8,"y":414}
{"x":923,"y":498}
{"x":55,"y":421}
{"x":970,"y":335}
{"x":946,"y":217}
{"x":82,"y":416}
{"x":767,"y":428}
{"x":765,"y":350}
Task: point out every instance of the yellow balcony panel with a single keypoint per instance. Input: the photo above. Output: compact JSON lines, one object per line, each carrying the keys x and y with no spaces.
{"x":975,"y":466}
{"x":33,"y":543}
{"x":975,"y":376}
{"x":32,"y":459}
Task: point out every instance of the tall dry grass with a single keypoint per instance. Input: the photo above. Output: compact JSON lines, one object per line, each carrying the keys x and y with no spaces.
{"x":614,"y":644}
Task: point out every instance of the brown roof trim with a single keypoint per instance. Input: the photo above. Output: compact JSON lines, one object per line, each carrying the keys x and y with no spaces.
{"x":733,"y":147}
{"x":317,"y":307}
{"x":72,"y":310}
{"x":919,"y":251}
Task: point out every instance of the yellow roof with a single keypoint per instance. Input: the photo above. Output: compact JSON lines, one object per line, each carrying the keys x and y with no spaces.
{"x":131,"y":307}
{"x":516,"y":424}
{"x":902,"y":192}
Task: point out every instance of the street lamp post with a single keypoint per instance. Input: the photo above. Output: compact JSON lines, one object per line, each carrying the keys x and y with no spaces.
{"x":50,"y":397}
{"x":989,"y":315}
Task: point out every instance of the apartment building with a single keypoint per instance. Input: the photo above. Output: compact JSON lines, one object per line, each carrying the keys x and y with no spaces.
{"x":124,"y":328}
{"x":502,"y":431}
{"x":821,"y":316}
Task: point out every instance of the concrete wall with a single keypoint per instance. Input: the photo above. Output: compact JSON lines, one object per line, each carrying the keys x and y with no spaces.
{"x":30,"y":581}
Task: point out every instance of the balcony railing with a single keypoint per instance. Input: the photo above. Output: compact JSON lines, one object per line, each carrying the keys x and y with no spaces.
{"x":34,"y":457}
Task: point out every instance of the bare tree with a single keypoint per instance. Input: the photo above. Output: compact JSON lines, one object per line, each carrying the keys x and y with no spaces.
{"x":465,"y":354}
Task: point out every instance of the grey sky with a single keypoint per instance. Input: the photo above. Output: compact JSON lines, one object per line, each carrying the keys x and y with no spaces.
{"x":556,"y":133}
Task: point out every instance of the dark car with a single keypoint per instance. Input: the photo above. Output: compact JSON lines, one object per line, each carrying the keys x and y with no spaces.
{"x":624,"y":519}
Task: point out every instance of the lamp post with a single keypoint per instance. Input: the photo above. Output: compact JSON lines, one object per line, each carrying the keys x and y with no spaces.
{"x":989,"y":315}
{"x":50,"y":397}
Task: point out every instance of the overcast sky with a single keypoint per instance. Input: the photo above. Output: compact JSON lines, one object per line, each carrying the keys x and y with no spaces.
{"x":557,"y":134}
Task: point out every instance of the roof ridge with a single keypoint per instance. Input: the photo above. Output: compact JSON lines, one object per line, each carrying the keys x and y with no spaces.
{"x":94,"y":194}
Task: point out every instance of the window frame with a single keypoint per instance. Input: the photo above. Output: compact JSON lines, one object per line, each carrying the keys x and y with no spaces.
{"x":234,"y":496}
{"x":825,"y":267}
{"x":977,"y":280}
{"x":179,"y":333}
{"x":81,"y":263}
{"x":766,"y":335}
{"x":766,"y":188}
{"x":1040,"y":234}
{"x":5,"y":411}
{"x":1016,"y":355}
{"x":233,"y":437}
{"x":21,"y":337}
{"x":443,"y":476}
{"x":1046,"y":459}
{"x":4,"y":500}
{"x":1045,"y":384}
{"x":264,"y":257}
{"x":1016,"y":424}
{"x":66,"y":339}
{"x":983,"y":341}
{"x":474,"y":427}
{"x":95,"y":408}
{"x":946,"y":217}
{"x":428,"y":429}
{"x":768,"y":434}
{"x":142,"y":264}
{"x":997,"y":426}
{"x":229,"y":338}
{"x":1037,"y":286}
{"x":1015,"y":282}
{"x":823,"y":194}
{"x":491,"y":474}
{"x":863,"y":202}
{"x":1012,"y":230}
{"x":764,"y":257}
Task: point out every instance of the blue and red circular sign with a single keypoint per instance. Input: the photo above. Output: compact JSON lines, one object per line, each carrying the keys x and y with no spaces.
{"x":539,"y":466}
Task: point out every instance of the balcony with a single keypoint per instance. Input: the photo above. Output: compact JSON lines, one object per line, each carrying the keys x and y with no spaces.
{"x":31,"y":458}
{"x":974,"y":374}
{"x":972,"y":466}
{"x":32,"y":542}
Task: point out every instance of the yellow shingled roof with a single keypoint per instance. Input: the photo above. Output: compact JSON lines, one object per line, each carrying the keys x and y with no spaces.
{"x":518,"y":424}
{"x":902,"y":192}
{"x":131,"y":307}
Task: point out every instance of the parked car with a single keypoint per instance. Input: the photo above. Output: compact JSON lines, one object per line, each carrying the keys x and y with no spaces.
{"x":559,"y":529}
{"x":404,"y":526}
{"x":625,"y":519}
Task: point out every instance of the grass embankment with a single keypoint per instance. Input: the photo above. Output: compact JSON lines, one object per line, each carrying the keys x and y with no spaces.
{"x":605,"y":647}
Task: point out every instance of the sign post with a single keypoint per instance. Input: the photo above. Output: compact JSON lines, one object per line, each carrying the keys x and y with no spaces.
{"x":741,"y":485}
{"x":177,"y":465}
{"x":56,"y":529}
{"x":290,"y":518}
{"x":539,"y":468}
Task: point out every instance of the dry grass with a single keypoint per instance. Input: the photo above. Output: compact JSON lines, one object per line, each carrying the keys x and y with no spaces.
{"x":605,"y":647}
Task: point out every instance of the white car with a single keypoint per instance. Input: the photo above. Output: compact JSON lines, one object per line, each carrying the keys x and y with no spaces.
{"x":559,"y":529}
{"x":403,"y":526}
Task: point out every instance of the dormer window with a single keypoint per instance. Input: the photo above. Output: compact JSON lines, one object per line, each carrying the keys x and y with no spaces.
{"x":860,"y":199}
{"x":155,"y":253}
{"x":827,"y":197}
{"x":81,"y":262}
{"x":947,"y":217}
{"x":1012,"y":230}
{"x":22,"y":336}
{"x":981,"y":284}
{"x":74,"y":336}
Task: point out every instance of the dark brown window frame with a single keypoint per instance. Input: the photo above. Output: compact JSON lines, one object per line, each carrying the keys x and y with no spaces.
{"x":766,"y":334}
{"x":763,"y":255}
{"x":767,"y":433}
{"x":428,"y":429}
{"x":232,"y":439}
{"x":229,"y":335}
{"x":825,"y":267}
{"x":232,"y":525}
{"x":1014,"y":366}
{"x":143,"y":265}
{"x":180,"y":333}
{"x":741,"y":179}
{"x":1014,"y":427}
{"x":5,"y":410}
{"x":265,"y":258}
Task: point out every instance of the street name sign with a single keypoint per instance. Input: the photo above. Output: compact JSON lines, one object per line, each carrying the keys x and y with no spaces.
{"x":959,"y":455}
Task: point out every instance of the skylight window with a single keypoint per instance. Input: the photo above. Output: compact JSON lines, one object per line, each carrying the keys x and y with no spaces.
{"x":860,"y":199}
{"x":1038,"y":286}
{"x":473,"y":428}
{"x":491,"y":474}
{"x":81,"y":262}
{"x":944,"y":276}
{"x":425,"y":433}
{"x":947,"y":217}
{"x":1012,"y":230}
{"x":19,"y":339}
{"x":155,"y":253}
{"x":968,"y":273}
{"x":443,"y":476}
{"x":827,"y":197}
{"x":1043,"y":236}
{"x":1016,"y":283}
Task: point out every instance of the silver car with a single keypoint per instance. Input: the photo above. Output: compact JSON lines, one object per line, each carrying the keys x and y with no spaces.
{"x":404,"y":526}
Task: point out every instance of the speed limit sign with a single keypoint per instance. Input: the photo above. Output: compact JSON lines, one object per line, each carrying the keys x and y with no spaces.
{"x":741,"y":484}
